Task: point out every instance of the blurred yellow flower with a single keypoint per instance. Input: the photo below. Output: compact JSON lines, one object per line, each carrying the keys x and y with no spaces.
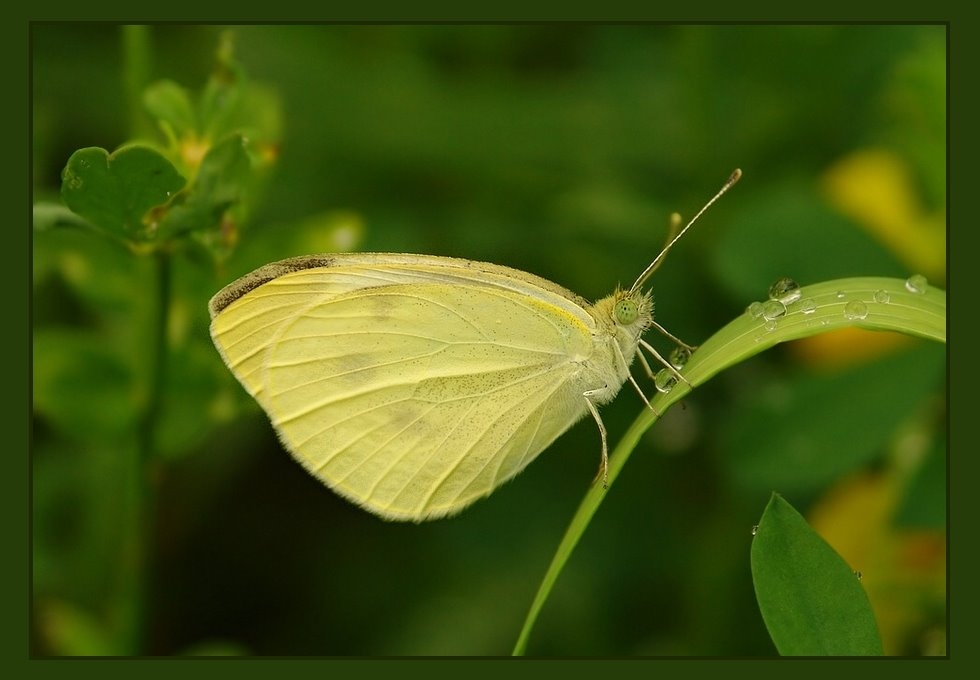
{"x":902,"y":570}
{"x":875,"y":188}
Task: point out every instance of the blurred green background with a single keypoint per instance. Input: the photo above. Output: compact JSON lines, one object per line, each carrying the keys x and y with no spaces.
{"x":561,"y":150}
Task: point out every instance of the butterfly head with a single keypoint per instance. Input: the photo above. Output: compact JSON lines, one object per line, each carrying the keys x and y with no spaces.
{"x":632,"y":312}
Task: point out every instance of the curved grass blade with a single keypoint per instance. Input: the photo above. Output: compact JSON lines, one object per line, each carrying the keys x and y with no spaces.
{"x":872,"y":303}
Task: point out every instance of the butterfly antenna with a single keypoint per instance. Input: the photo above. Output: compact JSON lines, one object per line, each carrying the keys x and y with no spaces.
{"x":735,"y":176}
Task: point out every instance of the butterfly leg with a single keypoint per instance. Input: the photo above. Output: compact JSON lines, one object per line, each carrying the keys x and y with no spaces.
{"x":674,"y":338}
{"x":646,"y":366}
{"x":670,"y":367}
{"x":604,"y":465}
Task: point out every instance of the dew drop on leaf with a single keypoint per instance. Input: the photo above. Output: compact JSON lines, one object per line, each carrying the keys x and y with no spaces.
{"x":855,"y":310}
{"x":773,"y":309}
{"x":785,"y":290}
{"x":916,"y":284}
{"x":665,"y":380}
{"x":679,"y":357}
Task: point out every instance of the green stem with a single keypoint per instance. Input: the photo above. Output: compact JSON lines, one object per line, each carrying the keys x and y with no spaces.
{"x":136,"y":74}
{"x":142,"y":524}
{"x":158,"y":353}
{"x":138,"y":559}
{"x":580,"y":521}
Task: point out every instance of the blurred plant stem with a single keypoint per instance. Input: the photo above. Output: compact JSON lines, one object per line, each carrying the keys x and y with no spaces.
{"x":146,"y":469}
{"x":139,"y":544}
{"x":136,"y":58}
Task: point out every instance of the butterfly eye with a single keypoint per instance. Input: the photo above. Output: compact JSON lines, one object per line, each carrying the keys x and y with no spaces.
{"x":625,"y":312}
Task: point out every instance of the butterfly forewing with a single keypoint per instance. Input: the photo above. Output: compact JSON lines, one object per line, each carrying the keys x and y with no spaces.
{"x":419,"y":394}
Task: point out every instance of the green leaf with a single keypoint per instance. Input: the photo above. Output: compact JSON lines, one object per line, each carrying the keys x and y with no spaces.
{"x":47,"y":216}
{"x":81,"y":385}
{"x":816,"y":427}
{"x":116,"y":191}
{"x":811,"y":600}
{"x":222,"y":96}
{"x":872,"y":303}
{"x":221,"y":182}
{"x":783,"y":229}
{"x":923,"y":504}
{"x":171,"y":105}
{"x":71,"y":631}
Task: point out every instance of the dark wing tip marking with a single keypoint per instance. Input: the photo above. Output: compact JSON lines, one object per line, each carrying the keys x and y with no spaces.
{"x":263,"y":275}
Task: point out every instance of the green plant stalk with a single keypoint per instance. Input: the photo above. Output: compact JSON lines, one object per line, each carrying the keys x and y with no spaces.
{"x":137,"y":550}
{"x":136,"y":75}
{"x":872,"y":303}
{"x":139,"y":557}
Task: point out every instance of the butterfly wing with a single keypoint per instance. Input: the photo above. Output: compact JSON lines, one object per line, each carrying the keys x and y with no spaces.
{"x":415,"y":388}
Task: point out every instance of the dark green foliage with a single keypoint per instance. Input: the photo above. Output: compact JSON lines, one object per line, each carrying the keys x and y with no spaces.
{"x":557,"y":149}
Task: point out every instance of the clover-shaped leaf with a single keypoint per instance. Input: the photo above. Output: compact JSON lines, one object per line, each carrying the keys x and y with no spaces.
{"x":116,"y":191}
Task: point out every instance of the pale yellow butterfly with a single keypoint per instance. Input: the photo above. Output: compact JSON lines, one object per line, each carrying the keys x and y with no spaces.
{"x":414,"y":385}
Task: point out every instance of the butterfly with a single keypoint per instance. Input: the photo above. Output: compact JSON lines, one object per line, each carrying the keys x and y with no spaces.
{"x":414,"y":385}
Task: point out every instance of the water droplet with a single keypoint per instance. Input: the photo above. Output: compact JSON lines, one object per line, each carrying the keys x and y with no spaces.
{"x":840,"y":295}
{"x":679,"y":357}
{"x":882,"y":296}
{"x":858,"y":574}
{"x":855,"y":309}
{"x":808,"y":306}
{"x":754,"y":310}
{"x":665,"y":380}
{"x":770,"y":325}
{"x":773,"y":309}
{"x":755,"y":529}
{"x":916,"y":284}
{"x":785,"y":290}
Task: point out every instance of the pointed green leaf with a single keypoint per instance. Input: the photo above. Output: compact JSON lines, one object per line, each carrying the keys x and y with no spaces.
{"x":811,"y":600}
{"x":223,"y":94}
{"x":171,"y":105}
{"x":116,"y":191}
{"x":221,"y":182}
